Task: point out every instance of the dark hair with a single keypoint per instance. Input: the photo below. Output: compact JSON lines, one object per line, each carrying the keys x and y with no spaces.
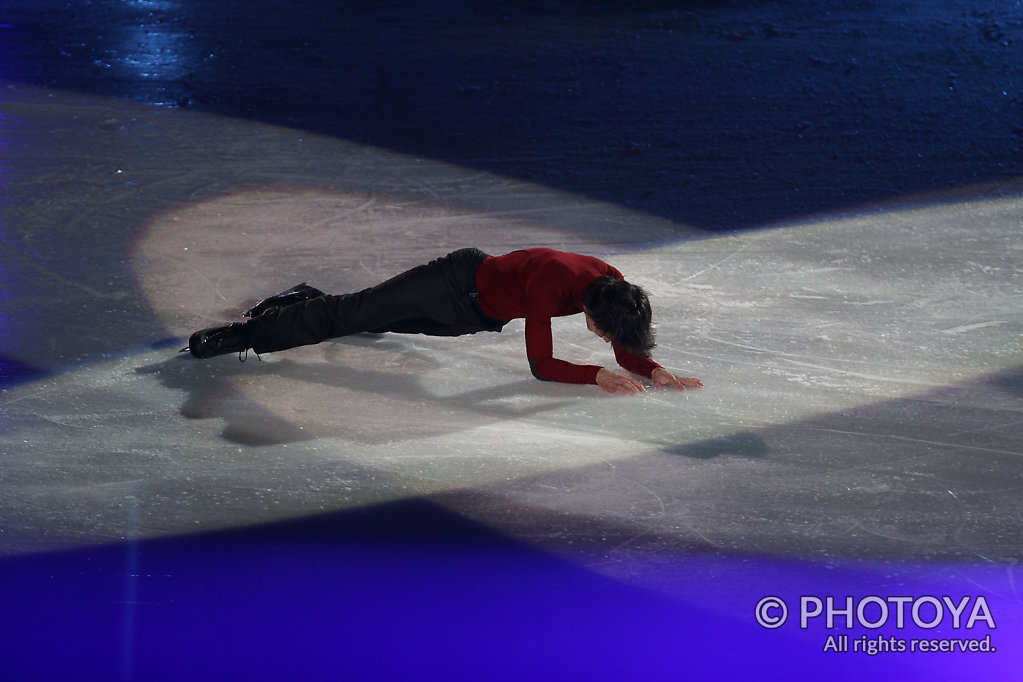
{"x":622,"y":311}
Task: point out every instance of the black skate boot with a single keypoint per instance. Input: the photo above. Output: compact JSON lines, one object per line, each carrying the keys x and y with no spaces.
{"x":231,"y":338}
{"x":296,"y":294}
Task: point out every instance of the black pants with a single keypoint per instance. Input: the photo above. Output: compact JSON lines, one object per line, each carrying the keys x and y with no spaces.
{"x":438,"y":299}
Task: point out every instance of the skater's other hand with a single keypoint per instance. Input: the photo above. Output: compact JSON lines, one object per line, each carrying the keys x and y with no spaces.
{"x":612,"y":382}
{"x":665,"y":379}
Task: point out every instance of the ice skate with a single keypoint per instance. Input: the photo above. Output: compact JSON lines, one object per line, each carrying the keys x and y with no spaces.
{"x":231,"y":338}
{"x":296,"y":294}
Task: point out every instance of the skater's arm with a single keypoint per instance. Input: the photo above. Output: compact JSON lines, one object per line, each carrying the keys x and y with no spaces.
{"x":543,"y":364}
{"x":648,"y":368}
{"x":643,"y":366}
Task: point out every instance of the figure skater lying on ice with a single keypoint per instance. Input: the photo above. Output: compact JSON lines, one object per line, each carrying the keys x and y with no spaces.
{"x":466,"y":292}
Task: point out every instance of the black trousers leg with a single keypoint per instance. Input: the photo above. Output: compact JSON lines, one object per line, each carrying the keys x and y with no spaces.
{"x":434,"y":299}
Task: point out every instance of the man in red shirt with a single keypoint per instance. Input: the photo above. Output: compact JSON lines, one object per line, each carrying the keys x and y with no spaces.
{"x":466,"y":292}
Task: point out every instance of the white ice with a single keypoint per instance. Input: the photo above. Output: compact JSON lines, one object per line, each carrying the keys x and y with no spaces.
{"x":863,"y":392}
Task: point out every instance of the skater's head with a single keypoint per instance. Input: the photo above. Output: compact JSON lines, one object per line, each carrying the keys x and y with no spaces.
{"x":619,"y":312}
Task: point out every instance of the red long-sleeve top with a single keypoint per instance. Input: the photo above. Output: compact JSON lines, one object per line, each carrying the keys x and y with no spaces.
{"x":540,"y":284}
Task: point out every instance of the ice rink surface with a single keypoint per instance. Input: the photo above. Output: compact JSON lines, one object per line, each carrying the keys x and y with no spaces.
{"x":405,"y":507}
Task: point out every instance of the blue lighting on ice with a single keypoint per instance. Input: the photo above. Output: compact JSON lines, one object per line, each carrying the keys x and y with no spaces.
{"x":410,"y":591}
{"x":11,"y":370}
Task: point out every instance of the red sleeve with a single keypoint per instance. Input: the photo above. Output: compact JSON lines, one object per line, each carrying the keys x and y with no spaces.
{"x":543,"y":364}
{"x":634,"y":363}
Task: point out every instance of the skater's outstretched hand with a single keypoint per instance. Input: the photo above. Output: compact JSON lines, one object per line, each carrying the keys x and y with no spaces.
{"x":665,"y":379}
